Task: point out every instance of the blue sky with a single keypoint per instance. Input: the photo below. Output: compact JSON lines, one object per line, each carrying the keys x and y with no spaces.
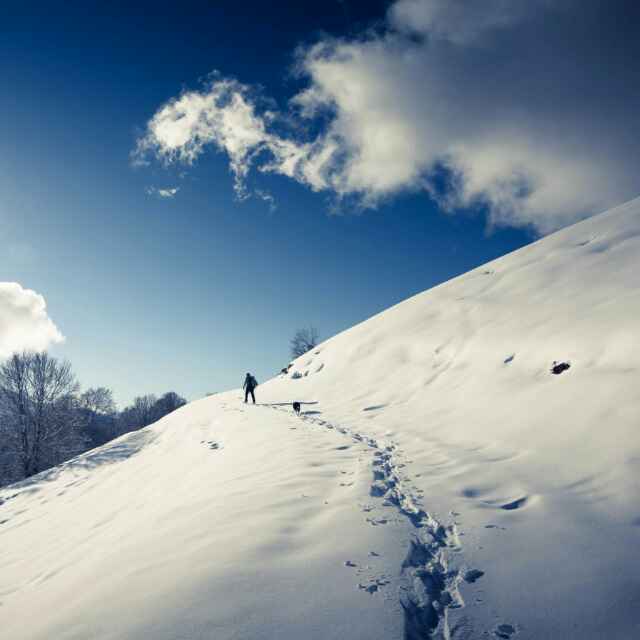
{"x":189,"y":292}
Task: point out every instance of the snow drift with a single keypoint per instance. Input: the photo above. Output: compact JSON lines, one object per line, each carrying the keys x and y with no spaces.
{"x":441,"y":481}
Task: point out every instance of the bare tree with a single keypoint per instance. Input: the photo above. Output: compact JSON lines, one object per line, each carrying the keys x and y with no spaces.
{"x":167,"y":403}
{"x":44,"y":421}
{"x":14,"y":398}
{"x":99,"y":410}
{"x":10,"y":466}
{"x":98,"y":400}
{"x":140,"y":413}
{"x":304,"y":340}
{"x":148,"y":409}
{"x":40,"y":408}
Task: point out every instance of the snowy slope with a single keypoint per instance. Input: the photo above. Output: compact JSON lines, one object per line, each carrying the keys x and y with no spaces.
{"x":217,"y":522}
{"x":543,"y":469}
{"x":440,"y":482}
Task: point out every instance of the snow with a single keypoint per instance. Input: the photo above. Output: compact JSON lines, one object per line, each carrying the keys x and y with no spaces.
{"x":214,"y":521}
{"x":440,"y":479}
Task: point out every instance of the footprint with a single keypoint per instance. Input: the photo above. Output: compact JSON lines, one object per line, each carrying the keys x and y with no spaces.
{"x":472,"y":575}
{"x":350,"y":563}
{"x":509,"y":358}
{"x":377,"y":521}
{"x":503,"y":503}
{"x":343,"y":447}
{"x":374,"y":584}
{"x":378,"y":489}
{"x":504,"y":631}
{"x":375,"y":407}
{"x":369,"y":588}
{"x":515,"y":504}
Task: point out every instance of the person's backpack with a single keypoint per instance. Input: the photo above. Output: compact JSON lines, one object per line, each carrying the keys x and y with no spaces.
{"x":254,"y":382}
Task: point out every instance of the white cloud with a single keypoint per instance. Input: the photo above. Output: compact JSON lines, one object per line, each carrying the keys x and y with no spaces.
{"x":449,"y":87}
{"x":162,"y":193}
{"x":24,"y":323}
{"x":222,"y":115}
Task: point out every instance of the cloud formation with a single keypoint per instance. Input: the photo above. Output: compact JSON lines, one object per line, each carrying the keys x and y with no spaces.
{"x":223,"y":115}
{"x":162,"y":193}
{"x":499,"y":104}
{"x":459,"y":21}
{"x":24,"y":322}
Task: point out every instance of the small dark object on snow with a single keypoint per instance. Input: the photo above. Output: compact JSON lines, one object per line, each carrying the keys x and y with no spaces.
{"x":296,"y":407}
{"x":559,"y":367}
{"x":472,"y":575}
{"x":504,"y":631}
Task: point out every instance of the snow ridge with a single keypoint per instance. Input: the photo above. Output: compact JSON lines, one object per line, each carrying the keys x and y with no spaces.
{"x":429,"y":586}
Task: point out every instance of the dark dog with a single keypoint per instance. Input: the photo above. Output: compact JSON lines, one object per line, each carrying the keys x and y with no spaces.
{"x":296,"y":407}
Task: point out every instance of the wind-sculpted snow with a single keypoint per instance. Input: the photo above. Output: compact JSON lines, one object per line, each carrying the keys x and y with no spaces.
{"x":465,"y":465}
{"x":513,"y":392}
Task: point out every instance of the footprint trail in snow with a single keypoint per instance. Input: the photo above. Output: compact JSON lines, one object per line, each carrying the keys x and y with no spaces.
{"x":429,"y":580}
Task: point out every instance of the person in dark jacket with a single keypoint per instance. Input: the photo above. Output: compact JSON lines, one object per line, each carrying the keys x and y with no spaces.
{"x":250,"y":383}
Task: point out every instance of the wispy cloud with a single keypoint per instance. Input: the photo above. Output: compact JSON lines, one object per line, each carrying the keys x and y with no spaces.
{"x":162,"y":193}
{"x":24,"y":322}
{"x":457,"y":99}
{"x":265,"y":196}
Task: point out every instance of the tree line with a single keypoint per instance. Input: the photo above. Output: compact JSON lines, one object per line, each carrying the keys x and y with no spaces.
{"x":45,"y":419}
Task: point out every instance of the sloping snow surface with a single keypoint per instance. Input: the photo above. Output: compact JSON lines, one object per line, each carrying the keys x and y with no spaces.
{"x":441,"y":481}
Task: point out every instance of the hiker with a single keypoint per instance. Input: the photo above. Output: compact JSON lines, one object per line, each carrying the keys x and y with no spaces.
{"x":250,"y":383}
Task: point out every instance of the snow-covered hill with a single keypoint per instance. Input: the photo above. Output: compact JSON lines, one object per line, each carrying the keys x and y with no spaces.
{"x":441,"y":480}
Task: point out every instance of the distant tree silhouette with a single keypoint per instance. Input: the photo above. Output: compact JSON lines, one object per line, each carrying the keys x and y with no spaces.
{"x":45,"y":420}
{"x":100,"y":413}
{"x":167,"y":403}
{"x":148,"y":409}
{"x":303,"y":341}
